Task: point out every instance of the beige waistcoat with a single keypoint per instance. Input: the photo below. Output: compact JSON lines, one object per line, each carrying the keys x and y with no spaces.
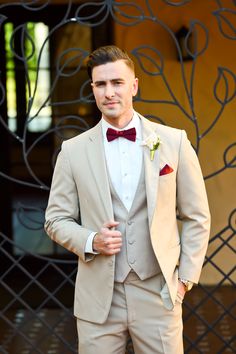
{"x":136,"y":252}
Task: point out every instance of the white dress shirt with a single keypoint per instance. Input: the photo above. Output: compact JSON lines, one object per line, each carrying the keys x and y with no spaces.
{"x":124,"y":163}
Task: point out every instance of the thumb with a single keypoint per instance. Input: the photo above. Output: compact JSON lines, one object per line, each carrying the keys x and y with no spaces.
{"x":110,"y":224}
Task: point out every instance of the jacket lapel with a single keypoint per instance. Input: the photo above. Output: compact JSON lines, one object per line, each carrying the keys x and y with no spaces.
{"x":97,"y":163}
{"x":151,"y":169}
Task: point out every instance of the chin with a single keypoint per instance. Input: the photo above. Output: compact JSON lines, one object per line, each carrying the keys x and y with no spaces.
{"x":111,"y":114}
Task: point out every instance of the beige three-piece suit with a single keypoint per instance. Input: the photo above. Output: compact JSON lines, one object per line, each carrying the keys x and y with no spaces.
{"x":81,"y":186}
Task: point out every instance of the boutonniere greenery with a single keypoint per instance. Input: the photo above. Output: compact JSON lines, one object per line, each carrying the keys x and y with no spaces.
{"x":153,"y":142}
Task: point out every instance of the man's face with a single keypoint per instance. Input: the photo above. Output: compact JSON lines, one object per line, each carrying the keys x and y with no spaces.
{"x":114,"y":86}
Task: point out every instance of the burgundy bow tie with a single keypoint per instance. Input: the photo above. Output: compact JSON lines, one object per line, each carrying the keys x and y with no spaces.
{"x":129,"y":134}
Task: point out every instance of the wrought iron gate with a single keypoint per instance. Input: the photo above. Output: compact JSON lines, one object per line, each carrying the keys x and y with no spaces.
{"x":45,"y":98}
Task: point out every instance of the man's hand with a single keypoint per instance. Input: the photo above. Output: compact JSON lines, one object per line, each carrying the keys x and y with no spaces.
{"x":181,"y":291}
{"x":108,"y":241}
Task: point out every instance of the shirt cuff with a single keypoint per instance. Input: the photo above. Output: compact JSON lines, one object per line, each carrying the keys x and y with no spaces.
{"x":89,"y":244}
{"x":187,"y":283}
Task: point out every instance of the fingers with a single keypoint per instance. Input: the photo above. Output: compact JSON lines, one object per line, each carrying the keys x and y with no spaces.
{"x":107,"y":245}
{"x":107,"y":233}
{"x":112,"y":246}
{"x":108,"y":241}
{"x":181,"y":288}
{"x":110,"y":224}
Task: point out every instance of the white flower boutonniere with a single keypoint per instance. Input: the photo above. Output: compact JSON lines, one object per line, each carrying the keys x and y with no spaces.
{"x":153,"y":142}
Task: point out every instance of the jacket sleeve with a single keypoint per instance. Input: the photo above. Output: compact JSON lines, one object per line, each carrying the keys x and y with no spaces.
{"x":193,"y":211}
{"x":62,"y":213}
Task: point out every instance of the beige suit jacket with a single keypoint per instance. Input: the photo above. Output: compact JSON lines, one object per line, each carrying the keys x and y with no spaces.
{"x":80,"y":186}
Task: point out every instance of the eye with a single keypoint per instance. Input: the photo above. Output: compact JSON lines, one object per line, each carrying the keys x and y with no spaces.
{"x":99,"y":84}
{"x":118,"y":82}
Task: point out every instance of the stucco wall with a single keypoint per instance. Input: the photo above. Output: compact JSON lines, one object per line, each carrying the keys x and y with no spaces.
{"x":220,"y":52}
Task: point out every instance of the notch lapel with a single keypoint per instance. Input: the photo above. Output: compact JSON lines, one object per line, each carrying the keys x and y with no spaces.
{"x":151,"y":169}
{"x":97,"y":163}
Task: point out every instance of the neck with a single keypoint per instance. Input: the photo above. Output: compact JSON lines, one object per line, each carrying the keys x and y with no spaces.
{"x":119,"y":123}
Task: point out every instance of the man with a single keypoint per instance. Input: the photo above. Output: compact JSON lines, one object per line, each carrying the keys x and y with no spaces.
{"x":128,"y":177}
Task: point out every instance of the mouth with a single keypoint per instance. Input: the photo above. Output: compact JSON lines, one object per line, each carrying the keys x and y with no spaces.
{"x":110,"y":104}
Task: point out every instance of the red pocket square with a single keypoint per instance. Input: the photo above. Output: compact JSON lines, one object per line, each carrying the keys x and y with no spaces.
{"x":165,"y":170}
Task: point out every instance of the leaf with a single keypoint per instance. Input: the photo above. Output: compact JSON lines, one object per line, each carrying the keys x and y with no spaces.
{"x":230,"y":156}
{"x":226,"y":19}
{"x":92,"y":13}
{"x":26,"y":42}
{"x":70,"y":61}
{"x":2,"y":19}
{"x":177,"y":2}
{"x":127,"y":14}
{"x":225,"y":86}
{"x":30,"y":217}
{"x":150,"y":60}
{"x":2,"y":93}
{"x":192,"y":40}
{"x":31,"y":4}
{"x":232,"y":220}
{"x":86,"y":93}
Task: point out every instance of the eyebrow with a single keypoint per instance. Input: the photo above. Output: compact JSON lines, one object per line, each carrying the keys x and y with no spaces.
{"x":104,"y":81}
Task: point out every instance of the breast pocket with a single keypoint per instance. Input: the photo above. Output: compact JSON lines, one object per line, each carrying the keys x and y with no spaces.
{"x":167,"y":188}
{"x":169,"y":177}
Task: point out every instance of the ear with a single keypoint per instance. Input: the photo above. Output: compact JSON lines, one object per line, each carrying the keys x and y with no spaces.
{"x":92,"y":86}
{"x":135,"y":87}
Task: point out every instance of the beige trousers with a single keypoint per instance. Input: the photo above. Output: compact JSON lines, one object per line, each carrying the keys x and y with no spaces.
{"x":136,"y":309}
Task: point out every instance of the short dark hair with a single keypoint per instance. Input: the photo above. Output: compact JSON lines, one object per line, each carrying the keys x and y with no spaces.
{"x":107,"y":54}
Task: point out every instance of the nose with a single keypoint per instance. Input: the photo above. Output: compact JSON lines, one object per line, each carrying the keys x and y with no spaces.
{"x":109,"y":91}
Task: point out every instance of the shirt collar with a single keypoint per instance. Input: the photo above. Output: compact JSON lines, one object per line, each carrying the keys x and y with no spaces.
{"x":134,"y":123}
